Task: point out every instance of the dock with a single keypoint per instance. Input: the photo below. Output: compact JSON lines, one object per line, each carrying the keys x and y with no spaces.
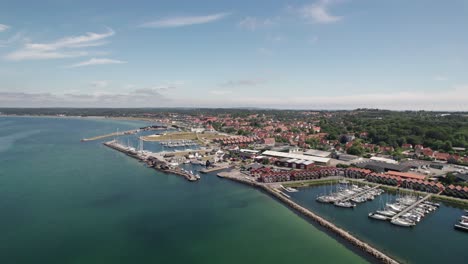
{"x":412,"y":206}
{"x":128,"y":132}
{"x":213,"y":169}
{"x":358,"y":194}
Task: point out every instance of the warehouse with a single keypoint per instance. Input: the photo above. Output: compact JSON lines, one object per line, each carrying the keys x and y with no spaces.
{"x":315,"y":160}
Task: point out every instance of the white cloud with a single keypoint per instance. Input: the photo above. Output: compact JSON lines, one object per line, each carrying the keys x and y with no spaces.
{"x":95,"y":99}
{"x":180,"y":21}
{"x":68,"y":47}
{"x":318,"y":12}
{"x":17,"y":37}
{"x":253,"y":23}
{"x":4,"y":27}
{"x":100,"y":84}
{"x":96,"y":61}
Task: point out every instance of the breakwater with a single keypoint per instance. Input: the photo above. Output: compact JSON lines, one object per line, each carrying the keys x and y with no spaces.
{"x":375,"y":253}
{"x":129,"y":132}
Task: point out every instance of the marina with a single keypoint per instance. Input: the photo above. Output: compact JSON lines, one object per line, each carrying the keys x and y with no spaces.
{"x":348,"y":196}
{"x":178,"y":143}
{"x":420,"y":244}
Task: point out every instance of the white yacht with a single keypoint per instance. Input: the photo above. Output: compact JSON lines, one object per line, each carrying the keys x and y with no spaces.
{"x":401,"y":222}
{"x":386,"y":213}
{"x":378,"y":216}
{"x":345,"y":204}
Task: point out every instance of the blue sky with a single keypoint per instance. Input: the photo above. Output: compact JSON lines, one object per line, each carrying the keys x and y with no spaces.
{"x":324,"y":54}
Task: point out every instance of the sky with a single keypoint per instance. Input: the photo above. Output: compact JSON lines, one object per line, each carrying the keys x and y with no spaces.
{"x":312,"y":54}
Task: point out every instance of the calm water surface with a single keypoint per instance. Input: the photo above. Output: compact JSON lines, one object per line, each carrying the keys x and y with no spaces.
{"x":63,"y":201}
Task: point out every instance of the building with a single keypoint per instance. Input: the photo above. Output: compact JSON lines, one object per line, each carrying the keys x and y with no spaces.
{"x":406,"y":175}
{"x":378,"y":166}
{"x":318,"y":153}
{"x":270,"y":142}
{"x":391,"y":161}
{"x":316,"y":160}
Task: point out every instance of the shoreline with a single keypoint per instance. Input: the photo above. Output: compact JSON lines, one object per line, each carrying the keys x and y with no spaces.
{"x":87,"y":117}
{"x":364,"y":247}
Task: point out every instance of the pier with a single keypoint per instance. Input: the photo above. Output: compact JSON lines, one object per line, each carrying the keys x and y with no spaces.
{"x":128,"y":132}
{"x":412,"y":206}
{"x":217,"y":168}
{"x":344,"y":199}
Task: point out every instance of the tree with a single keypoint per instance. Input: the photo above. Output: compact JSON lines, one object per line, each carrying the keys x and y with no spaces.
{"x":355,"y":150}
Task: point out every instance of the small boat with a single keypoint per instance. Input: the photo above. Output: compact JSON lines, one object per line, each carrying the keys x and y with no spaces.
{"x":344,"y":204}
{"x":378,"y":216}
{"x":401,"y":222}
{"x":343,"y":181}
{"x":290,"y":189}
{"x":386,"y":213}
{"x":460,"y":227}
{"x":394,"y":208}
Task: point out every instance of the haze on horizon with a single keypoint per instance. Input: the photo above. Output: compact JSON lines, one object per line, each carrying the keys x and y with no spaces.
{"x":300,"y":54}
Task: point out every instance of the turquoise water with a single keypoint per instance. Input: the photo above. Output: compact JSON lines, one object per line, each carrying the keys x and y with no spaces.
{"x":433,"y":240}
{"x":63,"y":201}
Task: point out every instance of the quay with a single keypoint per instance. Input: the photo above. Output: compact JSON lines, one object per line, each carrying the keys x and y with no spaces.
{"x":378,"y":255}
{"x":154,"y":161}
{"x":128,"y":132}
{"x":344,"y":199}
{"x":213,"y":169}
{"x":412,"y":206}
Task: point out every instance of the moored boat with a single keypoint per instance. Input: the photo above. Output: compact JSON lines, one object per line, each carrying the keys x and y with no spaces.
{"x":344,"y":204}
{"x":402,"y":222}
{"x":378,"y":216}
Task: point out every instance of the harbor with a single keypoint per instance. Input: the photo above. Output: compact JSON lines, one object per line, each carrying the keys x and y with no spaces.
{"x":286,"y":199}
{"x":417,"y":244}
{"x":153,"y":160}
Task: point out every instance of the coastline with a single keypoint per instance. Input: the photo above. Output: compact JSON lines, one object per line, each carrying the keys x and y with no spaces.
{"x":364,"y":247}
{"x":86,"y":117}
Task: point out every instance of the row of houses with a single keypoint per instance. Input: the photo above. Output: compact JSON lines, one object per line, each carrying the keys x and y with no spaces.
{"x":241,"y":140}
{"x":409,"y":183}
{"x":268,"y":176}
{"x":456,"y":191}
{"x":404,"y":180}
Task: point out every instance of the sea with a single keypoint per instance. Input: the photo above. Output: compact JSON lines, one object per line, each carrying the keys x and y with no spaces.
{"x":66,"y":201}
